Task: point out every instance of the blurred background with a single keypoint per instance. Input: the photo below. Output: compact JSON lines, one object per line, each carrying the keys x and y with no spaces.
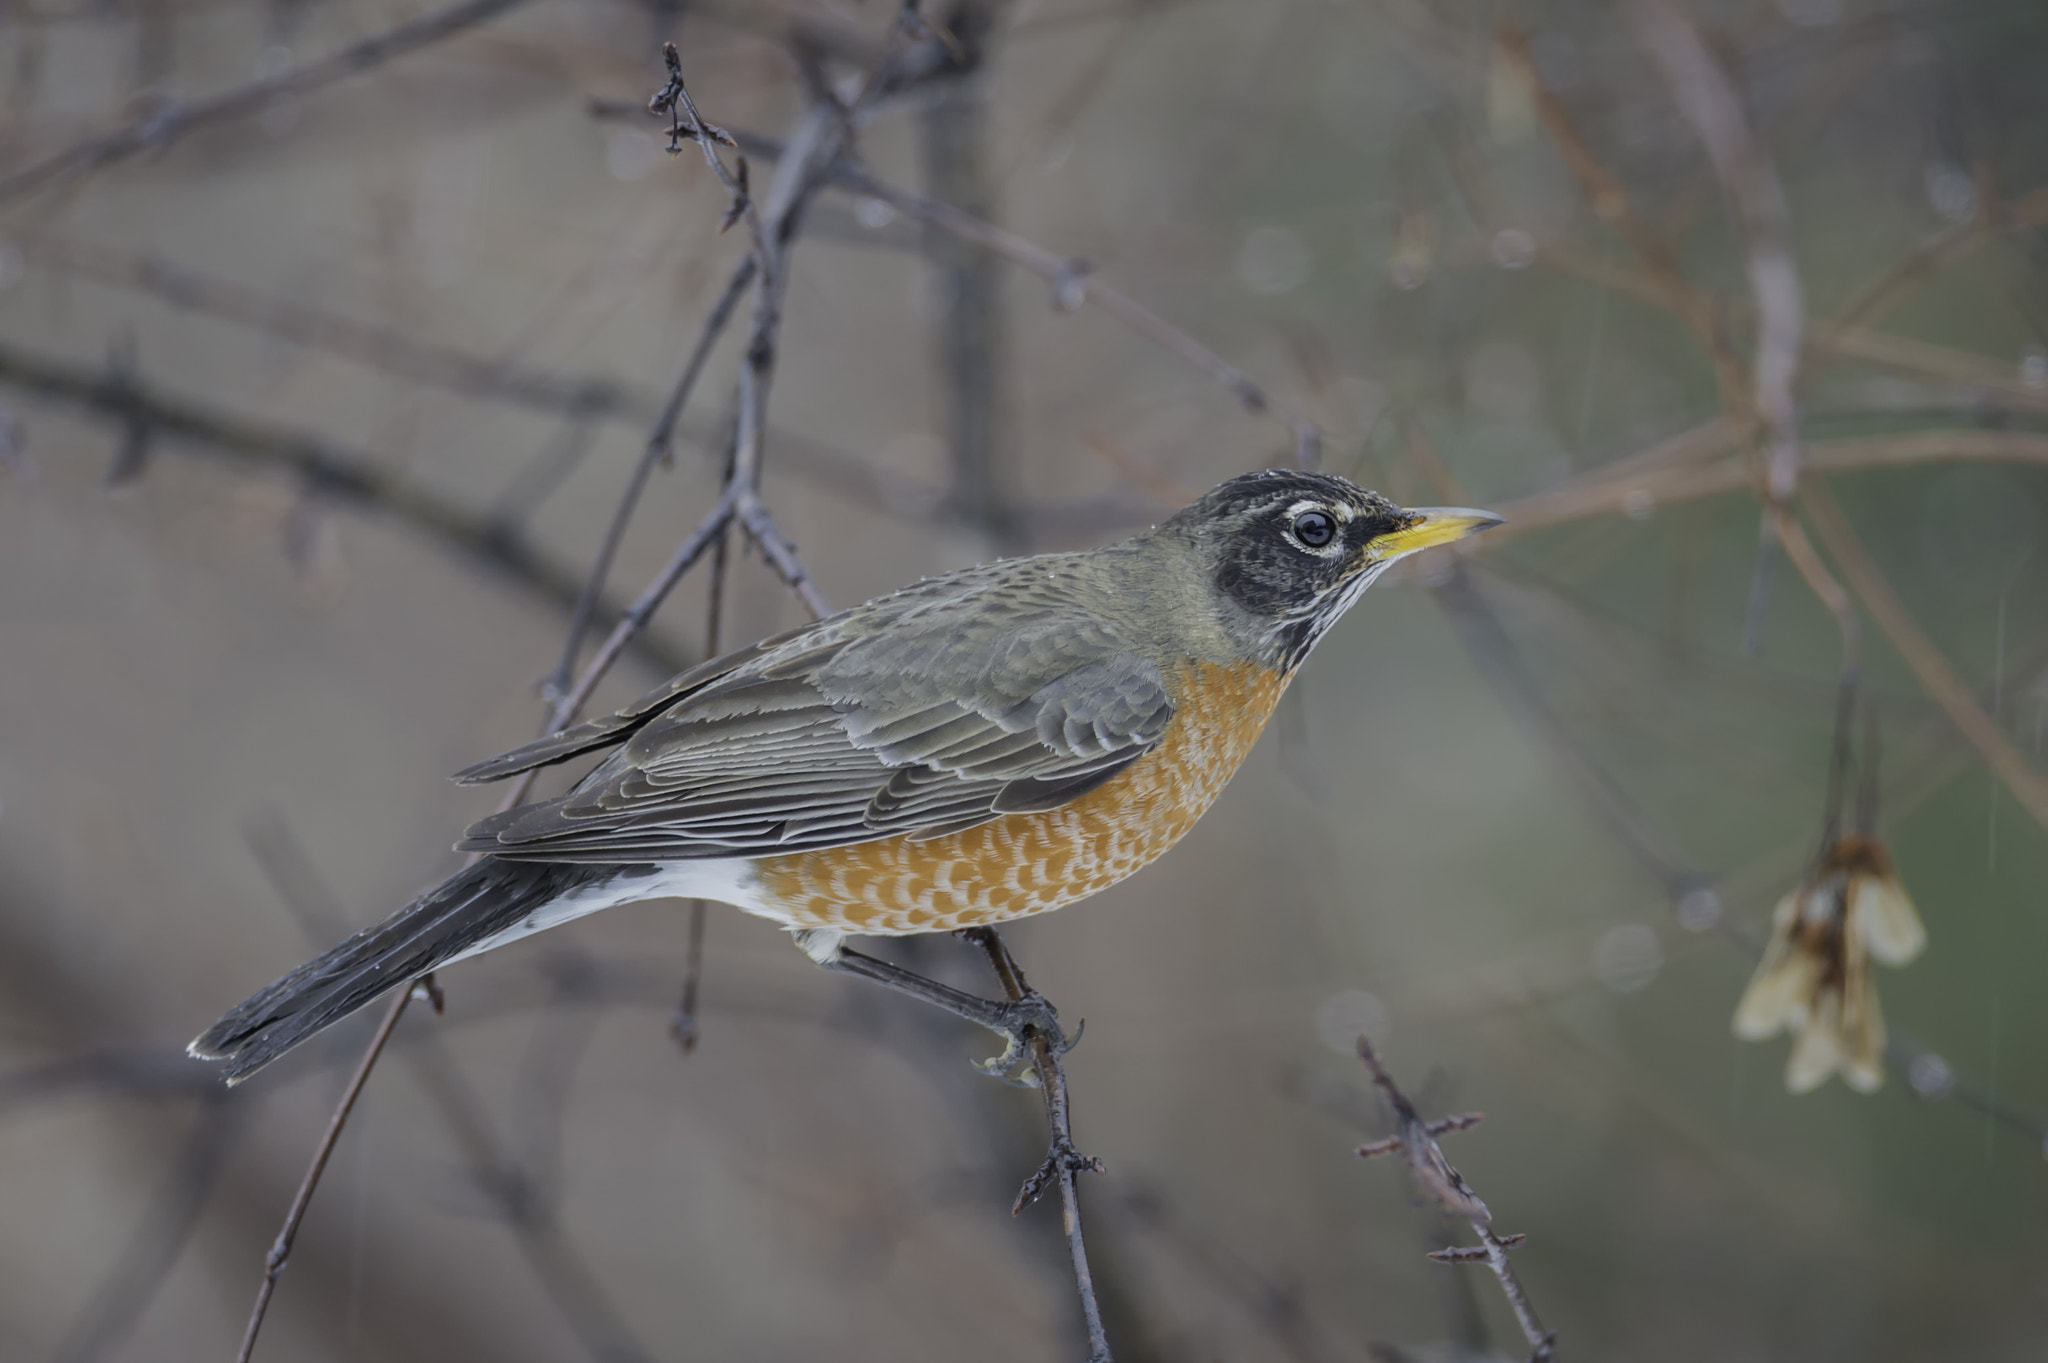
{"x":321,"y":381}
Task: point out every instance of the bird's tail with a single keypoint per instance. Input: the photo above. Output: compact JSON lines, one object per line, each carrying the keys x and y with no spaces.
{"x":462,"y":911}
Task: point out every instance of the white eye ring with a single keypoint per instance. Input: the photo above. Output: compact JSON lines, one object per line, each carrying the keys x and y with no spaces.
{"x":1331,"y":520}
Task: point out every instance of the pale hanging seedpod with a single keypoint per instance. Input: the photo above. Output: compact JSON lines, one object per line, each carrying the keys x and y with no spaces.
{"x":1814,"y":980}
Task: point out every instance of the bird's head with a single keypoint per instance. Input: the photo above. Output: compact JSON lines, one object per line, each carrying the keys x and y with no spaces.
{"x":1289,"y":552}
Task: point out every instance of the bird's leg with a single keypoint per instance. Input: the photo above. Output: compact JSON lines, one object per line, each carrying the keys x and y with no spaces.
{"x":1062,"y":1160}
{"x":1011,"y":976}
{"x":1011,"y":1019}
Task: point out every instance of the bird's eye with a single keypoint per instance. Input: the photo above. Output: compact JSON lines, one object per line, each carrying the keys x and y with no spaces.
{"x":1314,"y":528}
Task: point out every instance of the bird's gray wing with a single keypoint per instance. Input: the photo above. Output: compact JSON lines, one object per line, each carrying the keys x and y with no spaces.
{"x":606,"y":730}
{"x":924,"y":722}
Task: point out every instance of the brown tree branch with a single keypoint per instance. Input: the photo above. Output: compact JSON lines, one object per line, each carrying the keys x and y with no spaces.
{"x":1639,"y":494}
{"x":1988,"y":224}
{"x":1708,"y":101}
{"x":1666,"y":282}
{"x":1936,"y":674}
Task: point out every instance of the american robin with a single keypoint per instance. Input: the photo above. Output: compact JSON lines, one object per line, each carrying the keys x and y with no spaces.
{"x":978,"y":747}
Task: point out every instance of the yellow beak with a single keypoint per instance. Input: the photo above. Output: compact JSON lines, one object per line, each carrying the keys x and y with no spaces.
{"x":1433,"y":525}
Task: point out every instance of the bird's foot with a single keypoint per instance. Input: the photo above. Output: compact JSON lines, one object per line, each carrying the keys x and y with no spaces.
{"x":1016,"y":1022}
{"x":1019,"y":1022}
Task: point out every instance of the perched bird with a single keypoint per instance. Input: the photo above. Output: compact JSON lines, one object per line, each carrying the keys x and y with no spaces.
{"x":978,"y":747}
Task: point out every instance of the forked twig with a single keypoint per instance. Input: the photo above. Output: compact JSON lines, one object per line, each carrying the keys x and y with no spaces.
{"x":1436,"y":1176}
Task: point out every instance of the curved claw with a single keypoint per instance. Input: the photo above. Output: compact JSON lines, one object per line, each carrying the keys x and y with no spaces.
{"x":1005,"y":1066}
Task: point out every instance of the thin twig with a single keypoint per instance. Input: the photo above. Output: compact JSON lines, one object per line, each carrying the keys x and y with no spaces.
{"x":634,"y":617}
{"x":173,"y":119}
{"x":1463,"y":1121}
{"x":659,"y":448}
{"x":1437,"y":1177}
{"x":1641,"y":494}
{"x":1708,"y":100}
{"x":1925,"y":360}
{"x":1935,"y":672}
{"x":1063,"y":1160}
{"x":281,"y":1248}
{"x":780,"y":554}
{"x":953,"y":132}
{"x":1610,"y":203}
{"x":1072,"y":284}
{"x":683,"y":1026}
{"x":520,"y":1194}
{"x":1990,"y":222}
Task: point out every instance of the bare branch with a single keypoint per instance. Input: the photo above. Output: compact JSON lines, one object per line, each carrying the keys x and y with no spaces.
{"x":519,"y":1193}
{"x":780,"y":554}
{"x":336,"y":473}
{"x":1600,"y":493}
{"x":281,"y":1248}
{"x":172,"y":120}
{"x":1988,"y":224}
{"x":1934,"y":670}
{"x":1072,"y":286}
{"x":1610,"y":203}
{"x":1436,"y":1176}
{"x":1709,"y":103}
{"x":659,"y":449}
{"x":387,"y":350}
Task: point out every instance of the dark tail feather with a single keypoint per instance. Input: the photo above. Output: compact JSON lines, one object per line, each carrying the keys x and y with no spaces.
{"x":461,"y":911}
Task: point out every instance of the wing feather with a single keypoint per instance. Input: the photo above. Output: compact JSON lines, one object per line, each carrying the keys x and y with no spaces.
{"x":913,"y":715}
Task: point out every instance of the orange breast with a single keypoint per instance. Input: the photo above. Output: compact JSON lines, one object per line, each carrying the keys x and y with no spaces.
{"x":1021,"y":864}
